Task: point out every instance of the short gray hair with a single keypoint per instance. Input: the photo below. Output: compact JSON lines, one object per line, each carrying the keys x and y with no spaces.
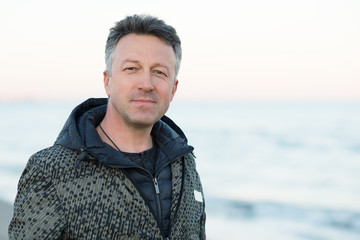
{"x":142,"y":24}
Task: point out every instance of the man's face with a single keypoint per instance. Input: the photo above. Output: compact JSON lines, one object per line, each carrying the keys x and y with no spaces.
{"x":141,"y":85}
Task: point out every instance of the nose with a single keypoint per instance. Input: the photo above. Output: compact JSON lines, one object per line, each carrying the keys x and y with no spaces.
{"x":145,"y":82}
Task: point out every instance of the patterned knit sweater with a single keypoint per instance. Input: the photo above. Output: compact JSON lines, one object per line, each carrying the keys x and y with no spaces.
{"x":73,"y":193}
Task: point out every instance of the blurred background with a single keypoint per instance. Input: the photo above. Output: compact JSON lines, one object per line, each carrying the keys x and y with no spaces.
{"x":269,"y":96}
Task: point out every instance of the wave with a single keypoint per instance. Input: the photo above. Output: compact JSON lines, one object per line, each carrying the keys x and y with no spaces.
{"x":344,"y":220}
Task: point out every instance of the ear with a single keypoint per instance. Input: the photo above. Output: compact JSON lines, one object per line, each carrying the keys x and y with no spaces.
{"x":106,"y":83}
{"x":174,"y":89}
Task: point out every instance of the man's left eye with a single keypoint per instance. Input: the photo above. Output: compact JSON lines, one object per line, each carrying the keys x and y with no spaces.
{"x":159,"y":72}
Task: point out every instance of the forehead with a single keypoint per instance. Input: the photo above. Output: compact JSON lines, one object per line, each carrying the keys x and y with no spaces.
{"x":141,"y":46}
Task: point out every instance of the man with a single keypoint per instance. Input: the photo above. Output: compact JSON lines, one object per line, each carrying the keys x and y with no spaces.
{"x":119,"y":169}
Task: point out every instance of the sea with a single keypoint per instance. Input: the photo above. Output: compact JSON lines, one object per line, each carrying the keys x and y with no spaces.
{"x":282,"y":170}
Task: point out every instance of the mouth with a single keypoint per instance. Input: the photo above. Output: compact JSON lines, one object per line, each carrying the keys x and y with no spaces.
{"x":144,"y":101}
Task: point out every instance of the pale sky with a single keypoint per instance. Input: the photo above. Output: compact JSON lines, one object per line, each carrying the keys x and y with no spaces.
{"x":257,"y":50}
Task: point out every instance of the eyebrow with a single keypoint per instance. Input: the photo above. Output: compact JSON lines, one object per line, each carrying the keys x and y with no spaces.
{"x":136,"y":61}
{"x":161,"y":65}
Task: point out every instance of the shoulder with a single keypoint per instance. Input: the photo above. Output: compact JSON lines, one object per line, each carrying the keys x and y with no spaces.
{"x":54,"y":155}
{"x":190,"y":161}
{"x":189,"y":172}
{"x":190,"y":157}
{"x":53,"y":161}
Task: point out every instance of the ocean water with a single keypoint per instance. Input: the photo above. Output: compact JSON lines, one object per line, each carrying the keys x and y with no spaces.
{"x":270,"y":170}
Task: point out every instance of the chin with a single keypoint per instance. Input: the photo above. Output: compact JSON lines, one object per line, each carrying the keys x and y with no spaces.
{"x":144,"y":122}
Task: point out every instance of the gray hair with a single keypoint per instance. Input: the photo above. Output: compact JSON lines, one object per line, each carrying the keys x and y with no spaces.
{"x":142,"y":24}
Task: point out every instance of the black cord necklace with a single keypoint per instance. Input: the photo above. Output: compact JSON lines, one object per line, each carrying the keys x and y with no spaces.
{"x":109,"y":138}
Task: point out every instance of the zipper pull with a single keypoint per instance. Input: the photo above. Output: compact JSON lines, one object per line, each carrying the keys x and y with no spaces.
{"x":156,"y":185}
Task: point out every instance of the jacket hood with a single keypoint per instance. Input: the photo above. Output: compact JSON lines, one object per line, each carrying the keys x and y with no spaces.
{"x":79,"y":133}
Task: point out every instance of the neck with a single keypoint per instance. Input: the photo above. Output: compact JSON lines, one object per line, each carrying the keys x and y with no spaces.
{"x":123,"y":137}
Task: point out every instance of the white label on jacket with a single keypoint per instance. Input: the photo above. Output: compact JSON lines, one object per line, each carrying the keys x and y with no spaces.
{"x":198,"y":196}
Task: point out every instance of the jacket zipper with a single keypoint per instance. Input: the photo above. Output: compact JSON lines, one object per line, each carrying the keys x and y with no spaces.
{"x":157,"y":189}
{"x":157,"y":192}
{"x":158,"y":204}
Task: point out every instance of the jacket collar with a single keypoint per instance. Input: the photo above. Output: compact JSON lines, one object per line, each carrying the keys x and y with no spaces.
{"x":79,"y":133}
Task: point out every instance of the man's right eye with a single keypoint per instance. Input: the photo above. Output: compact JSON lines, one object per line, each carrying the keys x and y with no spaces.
{"x":130,"y":68}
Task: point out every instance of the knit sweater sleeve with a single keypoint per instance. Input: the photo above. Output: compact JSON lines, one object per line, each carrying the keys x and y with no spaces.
{"x":38,"y":213}
{"x":202,"y":226}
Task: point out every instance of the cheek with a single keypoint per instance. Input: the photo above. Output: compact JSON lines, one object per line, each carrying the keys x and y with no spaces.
{"x":167,"y":93}
{"x":115,"y":86}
